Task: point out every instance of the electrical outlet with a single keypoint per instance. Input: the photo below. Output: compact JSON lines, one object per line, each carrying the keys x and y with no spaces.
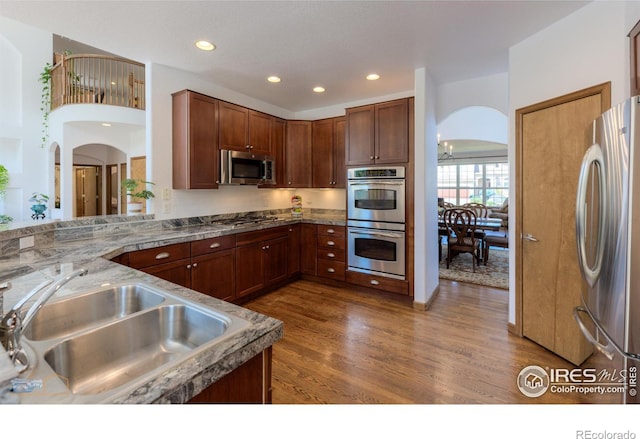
{"x":166,"y":207}
{"x":27,"y":242}
{"x":166,"y":194}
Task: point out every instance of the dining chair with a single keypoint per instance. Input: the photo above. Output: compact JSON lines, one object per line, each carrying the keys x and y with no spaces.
{"x":494,"y":239}
{"x":461,"y":234}
{"x":480,"y":209}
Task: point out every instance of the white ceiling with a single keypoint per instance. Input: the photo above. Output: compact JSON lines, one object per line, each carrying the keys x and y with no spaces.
{"x":307,"y":43}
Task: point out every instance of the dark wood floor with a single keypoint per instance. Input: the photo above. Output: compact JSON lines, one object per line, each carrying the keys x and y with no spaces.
{"x":347,"y":347}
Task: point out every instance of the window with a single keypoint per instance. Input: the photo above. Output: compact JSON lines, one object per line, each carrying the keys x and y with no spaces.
{"x":486,"y":183}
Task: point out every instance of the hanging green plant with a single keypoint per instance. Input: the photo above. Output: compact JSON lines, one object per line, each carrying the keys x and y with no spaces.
{"x":45,"y":101}
{"x":4,"y":180}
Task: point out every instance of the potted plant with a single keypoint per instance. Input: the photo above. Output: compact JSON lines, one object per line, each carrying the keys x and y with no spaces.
{"x":131,"y":186}
{"x":39,"y":204}
{"x":4,"y":180}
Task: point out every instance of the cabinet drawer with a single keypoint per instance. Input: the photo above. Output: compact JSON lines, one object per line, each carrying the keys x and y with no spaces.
{"x":210,"y":245}
{"x":331,"y":269}
{"x":159,"y":255}
{"x":336,"y":255}
{"x":378,"y":282}
{"x":331,"y":230}
{"x":331,"y":242}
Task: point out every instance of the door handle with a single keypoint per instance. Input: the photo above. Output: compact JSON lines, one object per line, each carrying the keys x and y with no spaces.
{"x":529,"y":237}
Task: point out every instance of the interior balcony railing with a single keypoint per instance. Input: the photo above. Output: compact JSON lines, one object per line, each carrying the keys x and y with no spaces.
{"x":97,"y":79}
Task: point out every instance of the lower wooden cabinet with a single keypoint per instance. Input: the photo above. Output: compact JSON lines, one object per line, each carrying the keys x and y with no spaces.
{"x":214,"y":274}
{"x":249,"y":383}
{"x":331,"y":252}
{"x":262,"y":259}
{"x":308,"y":259}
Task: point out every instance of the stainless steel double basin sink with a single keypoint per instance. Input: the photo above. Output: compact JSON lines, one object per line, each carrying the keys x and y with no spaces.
{"x":108,"y":341}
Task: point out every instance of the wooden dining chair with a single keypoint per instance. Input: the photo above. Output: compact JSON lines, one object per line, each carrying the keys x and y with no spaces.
{"x":480,"y":209}
{"x":461,"y":234}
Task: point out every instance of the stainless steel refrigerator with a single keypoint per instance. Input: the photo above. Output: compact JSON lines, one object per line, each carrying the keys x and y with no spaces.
{"x":608,"y":238}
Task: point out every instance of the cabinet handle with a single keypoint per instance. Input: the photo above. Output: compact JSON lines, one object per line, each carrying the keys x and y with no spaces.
{"x":195,"y":264}
{"x":371,"y":158}
{"x":247,"y":147}
{"x":289,"y":182}
{"x":331,"y":270}
{"x":215,"y":245}
{"x":162,"y":255}
{"x":331,"y":255}
{"x":331,"y":231}
{"x":188,"y":266}
{"x":267,"y":247}
{"x":331,"y":243}
{"x":374,"y":282}
{"x":377,"y":157}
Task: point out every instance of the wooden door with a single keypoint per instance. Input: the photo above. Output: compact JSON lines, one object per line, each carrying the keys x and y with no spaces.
{"x":552,"y":137}
{"x":634,"y":61}
{"x":392,"y":132}
{"x":360,"y":135}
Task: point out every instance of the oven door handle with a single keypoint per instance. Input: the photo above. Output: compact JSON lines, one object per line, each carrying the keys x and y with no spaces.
{"x":385,"y":234}
{"x":374,"y":182}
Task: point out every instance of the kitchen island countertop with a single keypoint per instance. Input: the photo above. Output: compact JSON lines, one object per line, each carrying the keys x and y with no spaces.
{"x":26,"y":269}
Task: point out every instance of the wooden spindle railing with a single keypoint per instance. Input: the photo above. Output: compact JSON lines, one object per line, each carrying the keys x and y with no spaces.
{"x":97,"y":79}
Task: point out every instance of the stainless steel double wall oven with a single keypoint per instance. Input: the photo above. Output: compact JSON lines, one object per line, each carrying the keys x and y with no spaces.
{"x":376,"y":220}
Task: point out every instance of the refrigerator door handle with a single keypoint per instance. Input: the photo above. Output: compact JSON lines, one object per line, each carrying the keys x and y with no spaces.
{"x":593,"y":159}
{"x":609,"y":349}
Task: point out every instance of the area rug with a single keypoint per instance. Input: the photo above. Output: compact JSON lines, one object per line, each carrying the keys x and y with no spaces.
{"x":495,"y":274}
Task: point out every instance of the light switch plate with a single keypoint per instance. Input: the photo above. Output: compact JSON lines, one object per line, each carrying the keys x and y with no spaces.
{"x":27,"y":242}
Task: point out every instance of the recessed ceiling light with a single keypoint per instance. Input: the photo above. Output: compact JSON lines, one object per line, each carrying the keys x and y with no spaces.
{"x":204,"y":45}
{"x":104,"y":124}
{"x":273,"y":79}
{"x":318,"y":89}
{"x":373,"y":76}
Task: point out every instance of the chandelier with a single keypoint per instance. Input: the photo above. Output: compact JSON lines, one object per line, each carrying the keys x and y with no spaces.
{"x":448,"y":150}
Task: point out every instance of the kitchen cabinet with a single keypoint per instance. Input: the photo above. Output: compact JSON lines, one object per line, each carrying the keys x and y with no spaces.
{"x":261,"y":259}
{"x":294,"y":244}
{"x":308,"y":258}
{"x":378,"y":133}
{"x":213,"y":267}
{"x":331,"y":252}
{"x":328,"y":153}
{"x":195,"y":141}
{"x":634,"y":62}
{"x":249,"y":383}
{"x":298,"y":151}
{"x":243,"y":129}
{"x":278,"y":153}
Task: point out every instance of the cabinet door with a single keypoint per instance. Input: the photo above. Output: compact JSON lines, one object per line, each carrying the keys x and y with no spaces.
{"x":298,"y":152}
{"x":260,"y":126}
{"x":340,"y":171}
{"x":234,"y":121}
{"x":195,"y":141}
{"x":634,"y":62}
{"x":213,"y":274}
{"x":249,"y":269}
{"x":178,"y":272}
{"x":323,"y":154}
{"x":278,"y":152}
{"x":293,"y":261}
{"x":392,"y":132}
{"x":308,"y":258}
{"x":275,"y":261}
{"x":360,"y":135}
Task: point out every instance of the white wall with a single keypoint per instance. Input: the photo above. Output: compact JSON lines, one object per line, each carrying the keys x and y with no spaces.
{"x":488,"y":91}
{"x":27,"y":50}
{"x":586,"y":48}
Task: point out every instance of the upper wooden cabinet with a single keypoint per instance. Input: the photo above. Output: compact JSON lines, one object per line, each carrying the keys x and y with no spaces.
{"x":195,"y":141}
{"x":278,"y":153}
{"x":634,"y":52}
{"x":379,"y":133}
{"x":298,"y":152}
{"x":328,"y":153}
{"x":243,"y":129}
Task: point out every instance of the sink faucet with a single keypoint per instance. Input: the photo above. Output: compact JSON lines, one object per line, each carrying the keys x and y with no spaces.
{"x":13,"y":324}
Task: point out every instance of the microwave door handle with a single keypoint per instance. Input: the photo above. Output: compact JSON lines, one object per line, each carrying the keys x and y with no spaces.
{"x":593,"y":156}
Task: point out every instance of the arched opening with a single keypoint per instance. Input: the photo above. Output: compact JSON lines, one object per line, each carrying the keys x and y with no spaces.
{"x":97,"y":170}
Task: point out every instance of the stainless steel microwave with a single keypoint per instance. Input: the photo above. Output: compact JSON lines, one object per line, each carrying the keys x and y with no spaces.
{"x":239,"y":167}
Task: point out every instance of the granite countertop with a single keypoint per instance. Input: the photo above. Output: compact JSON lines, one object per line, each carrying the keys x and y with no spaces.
{"x":27,"y":268}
